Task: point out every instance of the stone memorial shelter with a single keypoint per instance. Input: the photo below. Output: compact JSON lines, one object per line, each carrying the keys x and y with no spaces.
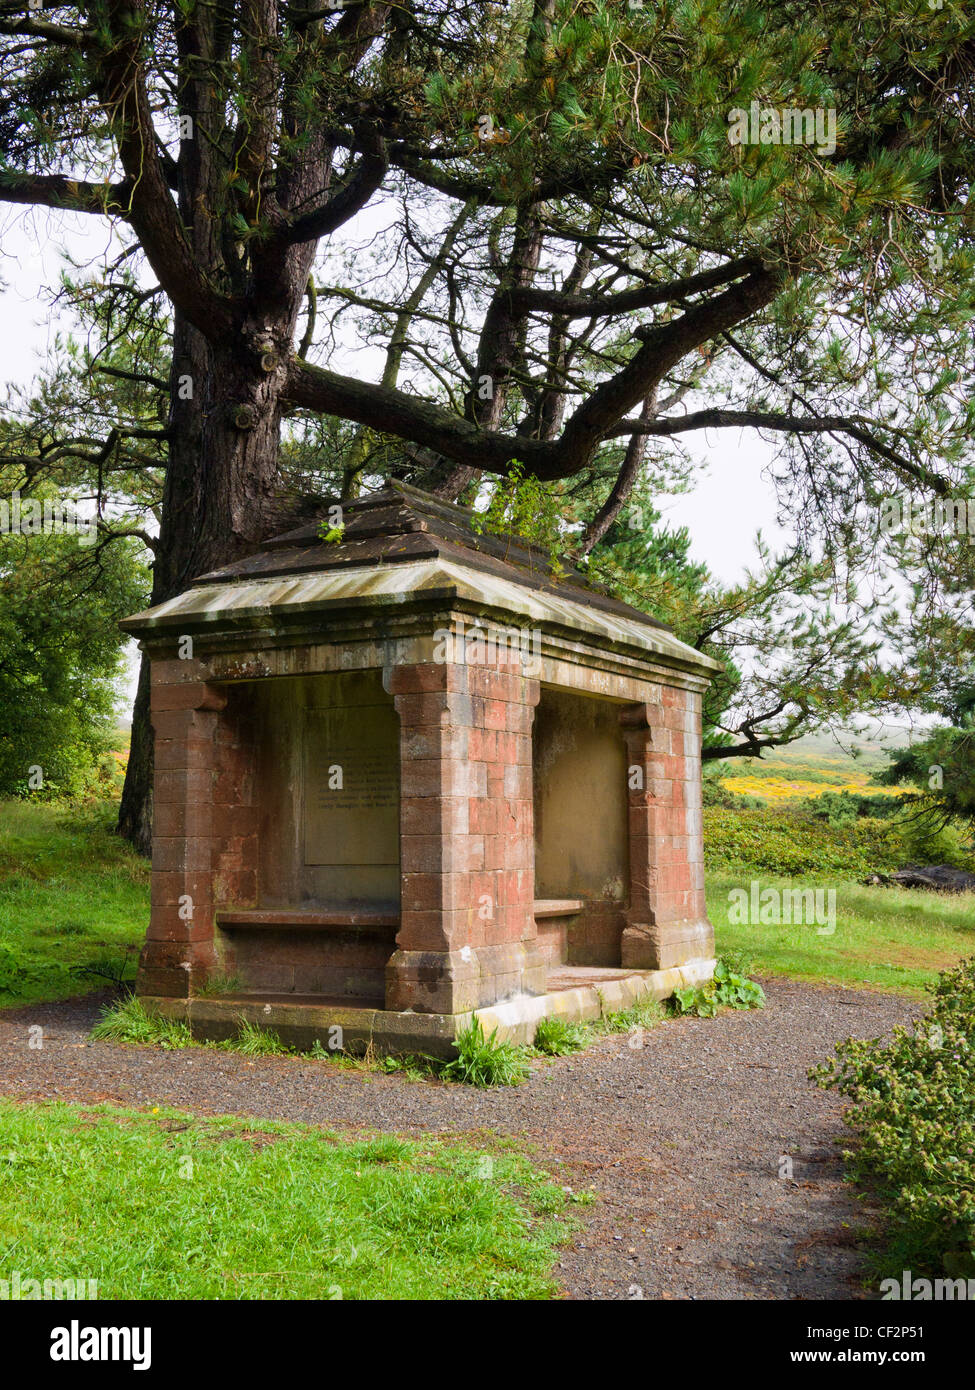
{"x":414,"y":772}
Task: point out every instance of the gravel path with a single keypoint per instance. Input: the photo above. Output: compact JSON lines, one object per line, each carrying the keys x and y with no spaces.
{"x":680,"y":1139}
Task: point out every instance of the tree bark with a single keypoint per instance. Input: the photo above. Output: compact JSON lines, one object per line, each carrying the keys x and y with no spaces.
{"x":219,"y":497}
{"x":135,"y":808}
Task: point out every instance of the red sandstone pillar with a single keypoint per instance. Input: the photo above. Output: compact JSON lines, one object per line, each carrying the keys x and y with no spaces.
{"x":667,"y":923}
{"x":204,"y":847}
{"x":467,"y":933}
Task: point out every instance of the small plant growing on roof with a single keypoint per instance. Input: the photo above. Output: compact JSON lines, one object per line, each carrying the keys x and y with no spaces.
{"x":525,"y":507}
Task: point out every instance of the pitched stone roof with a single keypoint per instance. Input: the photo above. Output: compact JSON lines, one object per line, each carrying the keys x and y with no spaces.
{"x":401,"y":545}
{"x":402,"y":524}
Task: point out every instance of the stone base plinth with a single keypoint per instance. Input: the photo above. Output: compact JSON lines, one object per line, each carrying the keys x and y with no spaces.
{"x":433,"y":1034}
{"x":174,"y":968}
{"x":455,"y":982}
{"x":664,"y":947}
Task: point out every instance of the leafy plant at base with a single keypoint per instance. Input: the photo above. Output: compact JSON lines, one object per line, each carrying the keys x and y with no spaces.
{"x":555,"y":1037}
{"x":413,"y":1067}
{"x":913,"y":1110}
{"x":738,"y":962}
{"x":484,"y":1061}
{"x":726,"y":989}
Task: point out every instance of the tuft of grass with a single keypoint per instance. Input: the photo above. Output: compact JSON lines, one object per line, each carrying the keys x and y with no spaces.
{"x":179,"y":1206}
{"x":555,"y":1037}
{"x":254,"y":1041}
{"x":645,"y":1013}
{"x":218,"y":984}
{"x":484,"y":1061}
{"x":128,"y":1022}
{"x":386,"y":1148}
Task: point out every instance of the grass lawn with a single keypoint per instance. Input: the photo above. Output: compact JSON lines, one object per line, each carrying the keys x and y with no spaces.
{"x":886,"y":938}
{"x":72,"y":895}
{"x":172,"y":1206}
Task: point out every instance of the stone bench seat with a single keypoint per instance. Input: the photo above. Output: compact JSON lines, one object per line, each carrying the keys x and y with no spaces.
{"x":556,"y":907}
{"x":552,"y":925}
{"x":291,"y":919}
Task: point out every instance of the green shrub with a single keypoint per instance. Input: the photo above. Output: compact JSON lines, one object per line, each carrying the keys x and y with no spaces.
{"x":919,"y":838}
{"x":791,"y":842}
{"x":484,"y":1061}
{"x":913,"y":1108}
{"x":840,"y":807}
{"x":726,"y":989}
{"x":557,"y":1038}
{"x":715,"y":793}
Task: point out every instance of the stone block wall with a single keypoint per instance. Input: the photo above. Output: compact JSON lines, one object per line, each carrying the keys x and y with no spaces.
{"x":339,"y":964}
{"x":594,"y":935}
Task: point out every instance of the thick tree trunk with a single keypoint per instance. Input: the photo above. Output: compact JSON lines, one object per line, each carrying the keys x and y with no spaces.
{"x":135,"y":808}
{"x":219,"y":496}
{"x":224,"y":415}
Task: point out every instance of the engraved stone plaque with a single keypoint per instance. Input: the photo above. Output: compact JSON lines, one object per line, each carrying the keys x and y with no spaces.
{"x":351,"y":786}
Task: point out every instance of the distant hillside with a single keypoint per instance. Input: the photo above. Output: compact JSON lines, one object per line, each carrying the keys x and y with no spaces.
{"x":811,"y":766}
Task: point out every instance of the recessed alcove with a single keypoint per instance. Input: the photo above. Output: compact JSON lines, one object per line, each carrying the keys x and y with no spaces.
{"x":325,"y":754}
{"x":580,"y":806}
